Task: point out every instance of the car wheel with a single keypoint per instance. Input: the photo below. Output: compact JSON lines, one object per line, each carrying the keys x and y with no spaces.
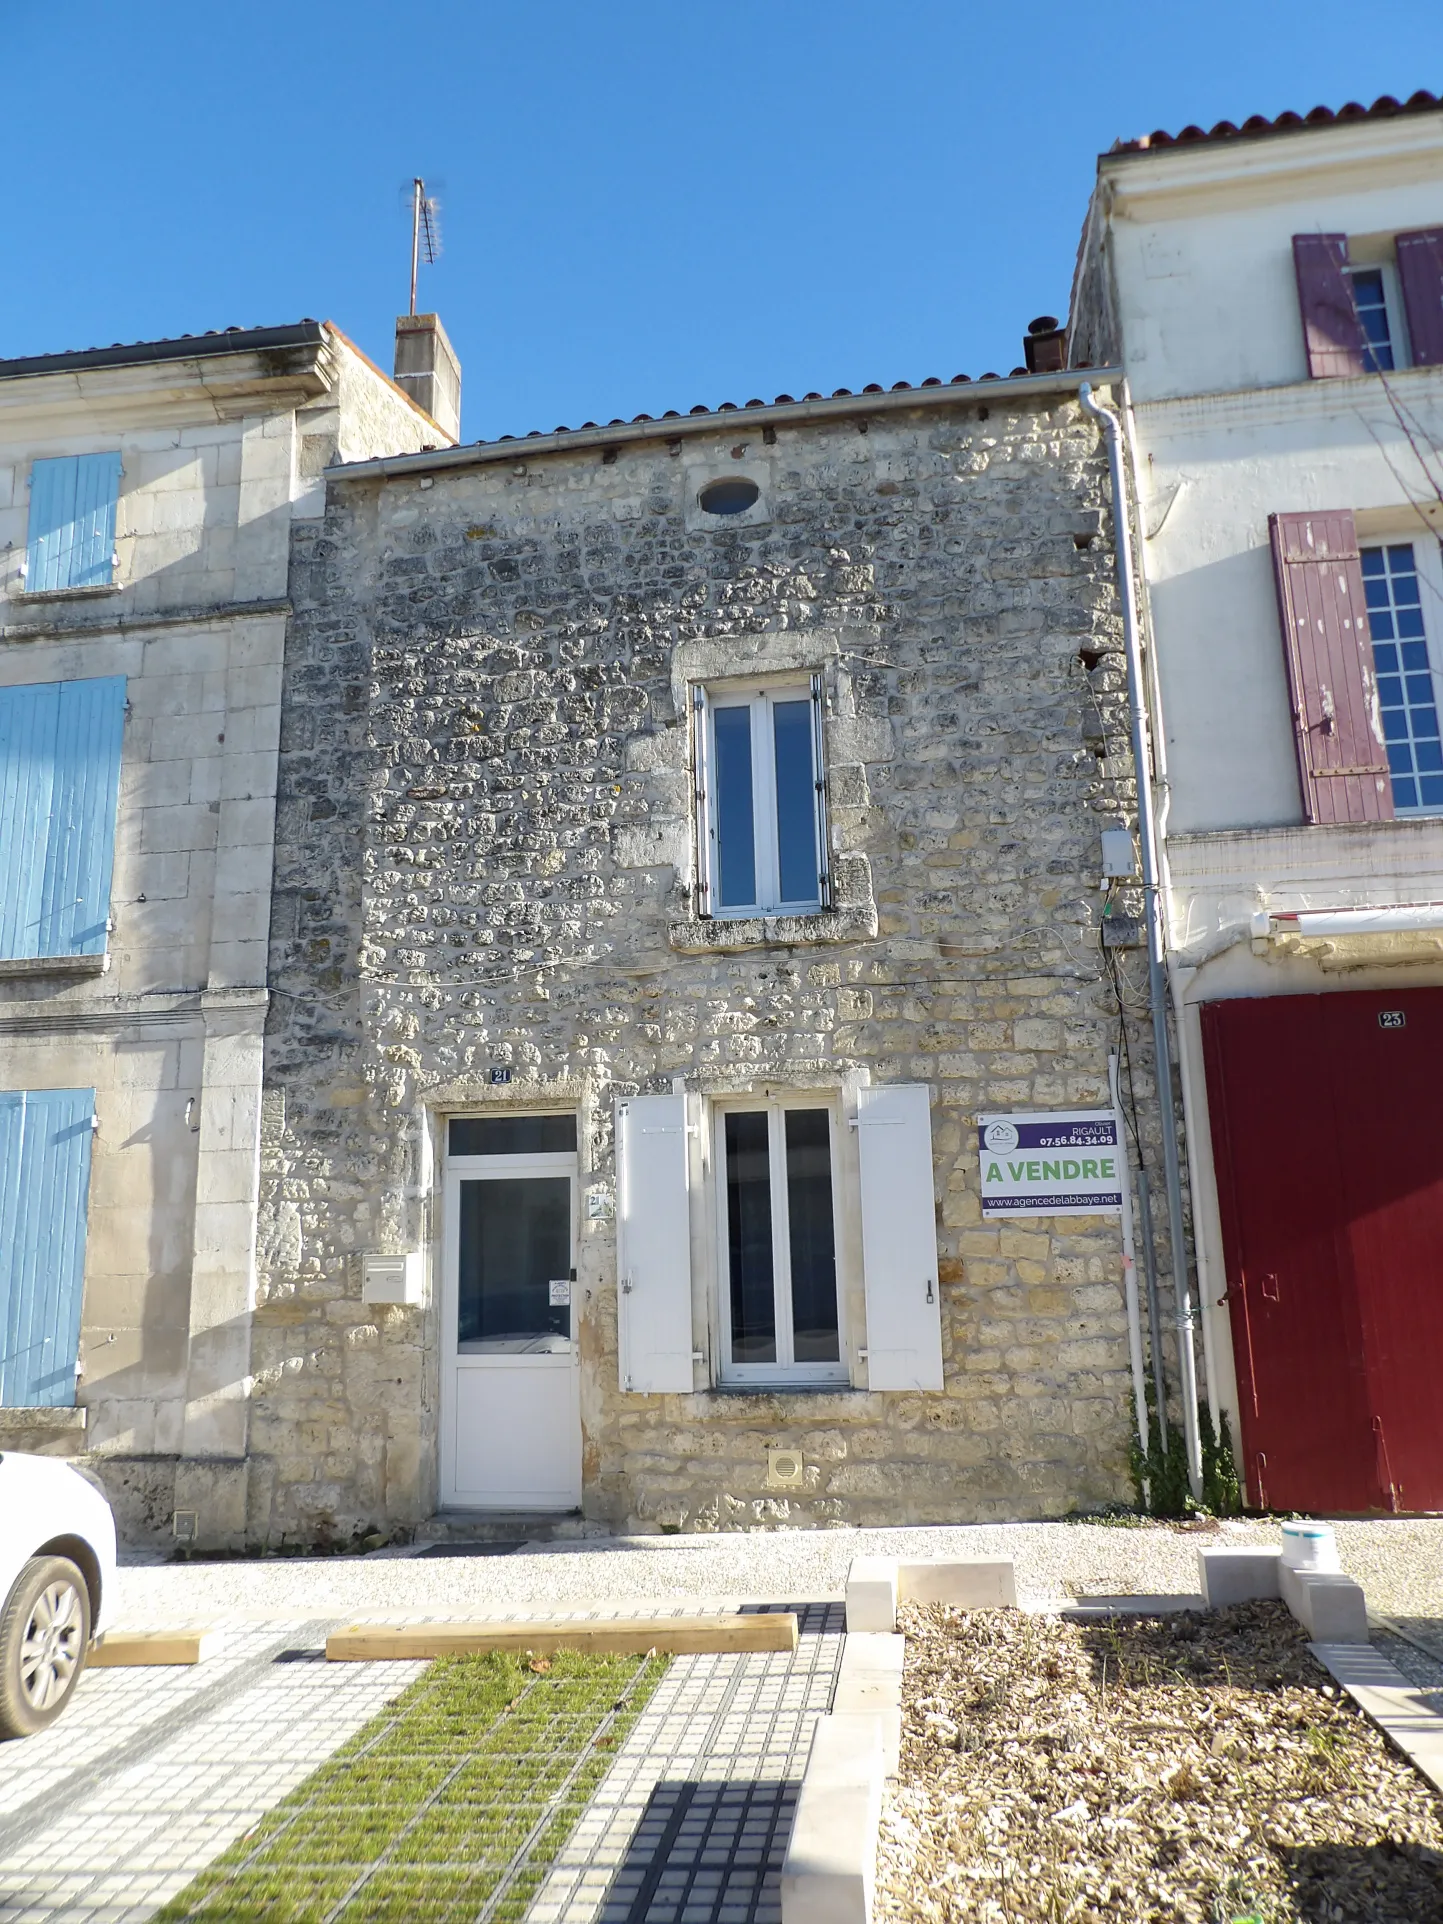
{"x":44,"y":1636}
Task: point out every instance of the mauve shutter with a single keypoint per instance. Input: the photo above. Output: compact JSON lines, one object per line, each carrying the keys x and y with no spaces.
{"x":1420,"y":269}
{"x":1331,"y":328}
{"x":1341,"y":756}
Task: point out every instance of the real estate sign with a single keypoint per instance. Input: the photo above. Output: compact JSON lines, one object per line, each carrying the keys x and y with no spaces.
{"x":1067,"y":1164}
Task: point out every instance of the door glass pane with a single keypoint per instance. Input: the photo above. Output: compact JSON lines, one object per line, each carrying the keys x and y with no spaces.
{"x":811,"y":1235}
{"x":749,"y":1238}
{"x":735,"y":831}
{"x":796,"y":801}
{"x":512,"y":1135}
{"x":515,"y":1242}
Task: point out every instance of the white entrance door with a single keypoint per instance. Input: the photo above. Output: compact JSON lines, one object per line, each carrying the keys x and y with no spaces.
{"x":510,"y":1388}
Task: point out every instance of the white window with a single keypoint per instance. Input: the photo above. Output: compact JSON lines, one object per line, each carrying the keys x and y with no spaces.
{"x":1377,"y":306}
{"x":1407,"y":689}
{"x":770,"y":1206}
{"x":777,"y":1241}
{"x":761,"y":800}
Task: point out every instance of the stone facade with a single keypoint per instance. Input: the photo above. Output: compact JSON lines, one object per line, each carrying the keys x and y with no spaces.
{"x":486,"y":861}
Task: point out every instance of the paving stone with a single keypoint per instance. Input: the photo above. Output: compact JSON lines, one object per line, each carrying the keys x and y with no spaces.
{"x":109,"y":1813}
{"x":692,"y":1819}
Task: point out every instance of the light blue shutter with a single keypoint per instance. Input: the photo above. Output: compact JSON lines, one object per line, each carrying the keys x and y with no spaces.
{"x":72,"y":522}
{"x":59,"y":782}
{"x":44,"y":1186}
{"x":28,"y":723}
{"x":75,"y":899}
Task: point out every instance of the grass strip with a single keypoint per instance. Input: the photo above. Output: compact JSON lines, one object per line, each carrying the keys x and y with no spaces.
{"x":451,"y":1804}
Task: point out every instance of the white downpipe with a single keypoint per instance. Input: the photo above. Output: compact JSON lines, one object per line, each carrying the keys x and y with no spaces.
{"x":1129,"y":1264}
{"x":1192,"y":1109}
{"x":1163,"y":781}
{"x":1157,"y":980}
{"x":1157,"y":733}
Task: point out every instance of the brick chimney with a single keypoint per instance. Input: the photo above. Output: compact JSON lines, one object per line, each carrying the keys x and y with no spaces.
{"x":1042,"y":345}
{"x":427,"y":368}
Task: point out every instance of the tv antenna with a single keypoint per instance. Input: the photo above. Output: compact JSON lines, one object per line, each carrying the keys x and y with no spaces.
{"x":425,"y":231}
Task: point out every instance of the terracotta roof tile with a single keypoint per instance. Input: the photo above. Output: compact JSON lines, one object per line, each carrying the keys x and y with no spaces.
{"x":1383,"y":108}
{"x":780,"y":400}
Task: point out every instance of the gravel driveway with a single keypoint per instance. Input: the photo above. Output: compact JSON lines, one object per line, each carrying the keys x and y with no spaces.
{"x":1398,"y":1562}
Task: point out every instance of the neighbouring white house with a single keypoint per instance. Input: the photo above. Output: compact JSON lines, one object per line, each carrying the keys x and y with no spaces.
{"x":147,"y":498}
{"x":1275,"y":294}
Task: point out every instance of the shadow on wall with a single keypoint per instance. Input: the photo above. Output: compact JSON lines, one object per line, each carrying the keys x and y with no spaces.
{"x":139,"y":1245}
{"x":1225,"y":696}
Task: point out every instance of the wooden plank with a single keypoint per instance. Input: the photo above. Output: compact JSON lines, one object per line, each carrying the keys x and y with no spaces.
{"x":616,"y":1636}
{"x":123,"y":1647}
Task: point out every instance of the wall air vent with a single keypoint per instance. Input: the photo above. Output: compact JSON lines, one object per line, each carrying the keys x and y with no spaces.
{"x":734,"y":495}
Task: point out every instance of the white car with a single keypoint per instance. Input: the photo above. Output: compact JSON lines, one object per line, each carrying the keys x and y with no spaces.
{"x":57,"y":1576}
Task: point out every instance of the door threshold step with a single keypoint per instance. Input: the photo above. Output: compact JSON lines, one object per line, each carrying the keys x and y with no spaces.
{"x":508,"y":1548}
{"x":507,"y":1526}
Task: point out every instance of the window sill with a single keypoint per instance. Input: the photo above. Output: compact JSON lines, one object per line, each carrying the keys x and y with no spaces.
{"x":28,"y":595}
{"x":717,"y":935}
{"x":55,"y":1419}
{"x":769,"y":1392}
{"x":12,"y":967}
{"x":47,"y":1429}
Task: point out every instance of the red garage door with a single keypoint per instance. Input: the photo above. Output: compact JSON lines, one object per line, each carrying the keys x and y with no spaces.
{"x":1327,"y":1125}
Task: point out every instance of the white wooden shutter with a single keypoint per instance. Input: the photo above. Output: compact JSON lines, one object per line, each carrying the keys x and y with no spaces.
{"x":653,"y":1244}
{"x":701,"y":790}
{"x":819,"y":777}
{"x":899,"y":1238}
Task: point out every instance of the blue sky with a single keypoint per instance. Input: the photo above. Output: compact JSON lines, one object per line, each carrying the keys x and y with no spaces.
{"x":644,"y":205}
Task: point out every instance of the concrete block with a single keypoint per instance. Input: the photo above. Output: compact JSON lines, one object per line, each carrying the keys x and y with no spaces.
{"x":872,"y":1595}
{"x":829,"y":1873}
{"x":869,"y":1683}
{"x":1330,"y":1607}
{"x":967,"y":1583}
{"x":1237,"y":1576}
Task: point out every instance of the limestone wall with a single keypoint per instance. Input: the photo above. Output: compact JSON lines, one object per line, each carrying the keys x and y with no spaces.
{"x":485,"y":861}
